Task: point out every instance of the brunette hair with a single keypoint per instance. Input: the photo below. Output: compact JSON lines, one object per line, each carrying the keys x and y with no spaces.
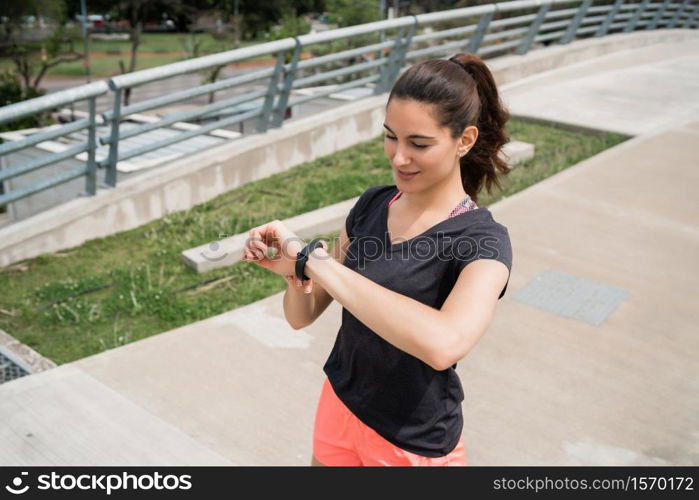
{"x":464,"y":93}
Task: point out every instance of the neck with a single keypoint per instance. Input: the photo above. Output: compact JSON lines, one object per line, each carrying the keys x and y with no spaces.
{"x":438,"y":198}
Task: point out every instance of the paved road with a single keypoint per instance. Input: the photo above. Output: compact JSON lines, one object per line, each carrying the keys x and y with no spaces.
{"x":591,"y":357}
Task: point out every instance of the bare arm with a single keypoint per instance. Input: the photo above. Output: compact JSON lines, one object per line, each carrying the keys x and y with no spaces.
{"x":437,"y":337}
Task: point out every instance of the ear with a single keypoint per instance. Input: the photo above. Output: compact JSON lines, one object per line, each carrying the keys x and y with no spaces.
{"x":468,"y":139}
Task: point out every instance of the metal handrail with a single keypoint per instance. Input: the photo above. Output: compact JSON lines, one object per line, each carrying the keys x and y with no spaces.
{"x":30,"y":107}
{"x":386,"y":48}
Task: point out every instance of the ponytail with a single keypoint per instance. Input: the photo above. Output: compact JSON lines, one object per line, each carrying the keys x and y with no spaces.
{"x":464,"y":93}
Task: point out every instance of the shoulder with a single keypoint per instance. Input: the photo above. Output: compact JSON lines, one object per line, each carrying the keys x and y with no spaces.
{"x":486,"y":238}
{"x":483,"y":222}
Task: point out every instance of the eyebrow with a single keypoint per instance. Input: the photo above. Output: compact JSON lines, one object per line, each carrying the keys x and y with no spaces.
{"x":411,"y":136}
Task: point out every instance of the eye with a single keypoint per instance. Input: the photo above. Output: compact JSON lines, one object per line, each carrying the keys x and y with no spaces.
{"x":419,"y":146}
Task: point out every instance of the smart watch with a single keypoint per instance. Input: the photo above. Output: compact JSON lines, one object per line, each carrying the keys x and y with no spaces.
{"x":302,"y":257}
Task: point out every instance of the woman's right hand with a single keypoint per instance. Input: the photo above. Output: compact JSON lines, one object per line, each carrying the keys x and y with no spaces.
{"x":287,"y":245}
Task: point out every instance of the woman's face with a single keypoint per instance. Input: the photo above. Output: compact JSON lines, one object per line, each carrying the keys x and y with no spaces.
{"x":414,"y":142}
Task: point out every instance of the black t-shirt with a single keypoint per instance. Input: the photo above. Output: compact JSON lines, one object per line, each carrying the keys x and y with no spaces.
{"x":403,"y":399}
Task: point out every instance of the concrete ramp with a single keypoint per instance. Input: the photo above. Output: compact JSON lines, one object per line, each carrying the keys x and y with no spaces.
{"x":632,"y":92}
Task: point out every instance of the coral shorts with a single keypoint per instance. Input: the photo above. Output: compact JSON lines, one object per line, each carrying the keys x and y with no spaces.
{"x":341,"y":439}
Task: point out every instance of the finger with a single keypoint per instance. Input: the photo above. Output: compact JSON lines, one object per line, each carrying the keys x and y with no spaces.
{"x":308,"y":286}
{"x":251,"y":256}
{"x":254,"y":253}
{"x":262,"y":234}
{"x":258,"y":247}
{"x":254,"y":235}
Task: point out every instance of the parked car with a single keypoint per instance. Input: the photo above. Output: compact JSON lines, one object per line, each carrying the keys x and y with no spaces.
{"x":94,"y":21}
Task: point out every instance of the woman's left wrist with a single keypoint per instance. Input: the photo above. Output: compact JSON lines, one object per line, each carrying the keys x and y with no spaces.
{"x":312,"y":251}
{"x":317,"y":255}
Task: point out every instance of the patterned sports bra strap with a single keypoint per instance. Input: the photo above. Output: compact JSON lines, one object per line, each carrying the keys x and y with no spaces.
{"x":465,"y":205}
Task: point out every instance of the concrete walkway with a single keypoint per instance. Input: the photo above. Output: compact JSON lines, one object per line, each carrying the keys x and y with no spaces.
{"x":542,"y":387}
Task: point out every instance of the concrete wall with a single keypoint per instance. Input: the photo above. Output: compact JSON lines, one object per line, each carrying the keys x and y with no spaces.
{"x":200,"y":177}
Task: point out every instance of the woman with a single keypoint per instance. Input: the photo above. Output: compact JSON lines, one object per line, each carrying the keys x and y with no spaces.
{"x":418,"y":270}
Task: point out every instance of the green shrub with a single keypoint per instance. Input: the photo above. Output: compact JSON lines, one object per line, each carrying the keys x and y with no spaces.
{"x":11,"y":91}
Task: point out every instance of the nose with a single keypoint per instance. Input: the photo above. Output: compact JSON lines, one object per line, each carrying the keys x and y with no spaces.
{"x":399,"y":158}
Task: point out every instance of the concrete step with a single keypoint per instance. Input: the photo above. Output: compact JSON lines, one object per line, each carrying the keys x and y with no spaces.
{"x":228,"y":251}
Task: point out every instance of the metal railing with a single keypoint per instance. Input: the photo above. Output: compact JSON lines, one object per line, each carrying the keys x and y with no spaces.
{"x":385,"y":48}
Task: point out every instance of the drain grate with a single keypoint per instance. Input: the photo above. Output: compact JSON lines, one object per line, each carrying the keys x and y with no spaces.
{"x":9,"y":370}
{"x":571,"y":296}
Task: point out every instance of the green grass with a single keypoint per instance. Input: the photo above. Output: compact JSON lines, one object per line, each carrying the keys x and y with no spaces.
{"x":164,"y":43}
{"x":155,"y":49}
{"x":128,"y":286}
{"x":106,"y":66}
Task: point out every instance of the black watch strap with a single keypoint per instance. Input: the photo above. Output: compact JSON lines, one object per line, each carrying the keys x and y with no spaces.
{"x":302,"y":257}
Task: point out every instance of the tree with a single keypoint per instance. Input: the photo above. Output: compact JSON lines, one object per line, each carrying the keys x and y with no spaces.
{"x":33,"y":34}
{"x":12,"y":91}
{"x":277,"y":20}
{"x":136,"y":13}
{"x":352,"y":12}
{"x":291,"y":24}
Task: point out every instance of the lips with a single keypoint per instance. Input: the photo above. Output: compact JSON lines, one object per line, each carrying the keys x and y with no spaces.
{"x":406,"y":176}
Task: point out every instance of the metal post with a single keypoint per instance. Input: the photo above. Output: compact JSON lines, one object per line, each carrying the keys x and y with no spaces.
{"x":382,"y":33}
{"x":278,"y":117}
{"x":691,"y":18}
{"x":475,"y":41}
{"x":633,"y":21}
{"x":111,"y":176}
{"x":91,"y":177}
{"x":609,"y":20}
{"x":658,"y":15}
{"x":387,"y":68}
{"x":677,"y":14}
{"x":264,"y":119}
{"x":397,"y":63}
{"x":575,"y":23}
{"x":526,"y":44}
{"x":390,"y":70}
